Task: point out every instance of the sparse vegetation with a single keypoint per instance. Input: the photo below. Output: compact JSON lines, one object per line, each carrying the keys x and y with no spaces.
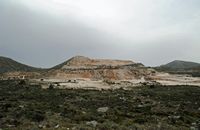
{"x":10,"y":65}
{"x":24,"y":106}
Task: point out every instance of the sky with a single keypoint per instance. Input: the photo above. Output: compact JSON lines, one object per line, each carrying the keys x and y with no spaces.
{"x":43,"y":33}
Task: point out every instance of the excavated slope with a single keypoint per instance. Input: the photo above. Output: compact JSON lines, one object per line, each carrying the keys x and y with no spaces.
{"x":98,"y":69}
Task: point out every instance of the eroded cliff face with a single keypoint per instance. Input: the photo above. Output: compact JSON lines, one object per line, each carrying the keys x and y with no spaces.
{"x":99,"y":69}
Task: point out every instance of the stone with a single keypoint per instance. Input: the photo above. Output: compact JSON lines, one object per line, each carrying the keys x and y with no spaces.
{"x":102,"y":109}
{"x":57,"y":126}
{"x":92,"y":123}
{"x":21,"y":106}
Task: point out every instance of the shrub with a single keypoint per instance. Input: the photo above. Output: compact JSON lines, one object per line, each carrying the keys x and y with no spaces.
{"x":36,"y":116}
{"x":51,"y":86}
{"x":22,"y":82}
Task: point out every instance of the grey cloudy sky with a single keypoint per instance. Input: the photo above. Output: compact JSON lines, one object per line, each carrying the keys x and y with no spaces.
{"x":44,"y":33}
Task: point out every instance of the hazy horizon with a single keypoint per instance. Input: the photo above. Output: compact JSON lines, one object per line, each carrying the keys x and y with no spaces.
{"x":48,"y":32}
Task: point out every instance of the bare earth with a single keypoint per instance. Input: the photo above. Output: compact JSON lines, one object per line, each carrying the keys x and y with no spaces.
{"x":84,"y":83}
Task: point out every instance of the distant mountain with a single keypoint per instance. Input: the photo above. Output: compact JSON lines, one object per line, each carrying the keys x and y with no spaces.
{"x":10,"y":65}
{"x":181,"y":67}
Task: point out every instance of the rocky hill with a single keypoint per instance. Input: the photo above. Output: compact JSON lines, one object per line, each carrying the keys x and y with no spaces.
{"x":85,"y":62}
{"x":98,"y":69}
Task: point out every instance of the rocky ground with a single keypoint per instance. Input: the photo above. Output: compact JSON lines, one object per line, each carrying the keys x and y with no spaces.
{"x":85,"y":83}
{"x":29,"y":107}
{"x":175,"y":79}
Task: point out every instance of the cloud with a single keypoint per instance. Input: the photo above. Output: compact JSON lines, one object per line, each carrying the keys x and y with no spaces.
{"x":44,"y":33}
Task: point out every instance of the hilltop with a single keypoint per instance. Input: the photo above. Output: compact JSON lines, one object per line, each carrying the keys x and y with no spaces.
{"x":82,"y":61}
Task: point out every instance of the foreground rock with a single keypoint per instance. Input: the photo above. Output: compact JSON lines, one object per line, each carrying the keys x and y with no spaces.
{"x":102,"y":109}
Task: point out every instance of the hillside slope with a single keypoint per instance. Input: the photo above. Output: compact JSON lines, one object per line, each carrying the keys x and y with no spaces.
{"x":181,"y":67}
{"x":98,"y":69}
{"x":10,"y":65}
